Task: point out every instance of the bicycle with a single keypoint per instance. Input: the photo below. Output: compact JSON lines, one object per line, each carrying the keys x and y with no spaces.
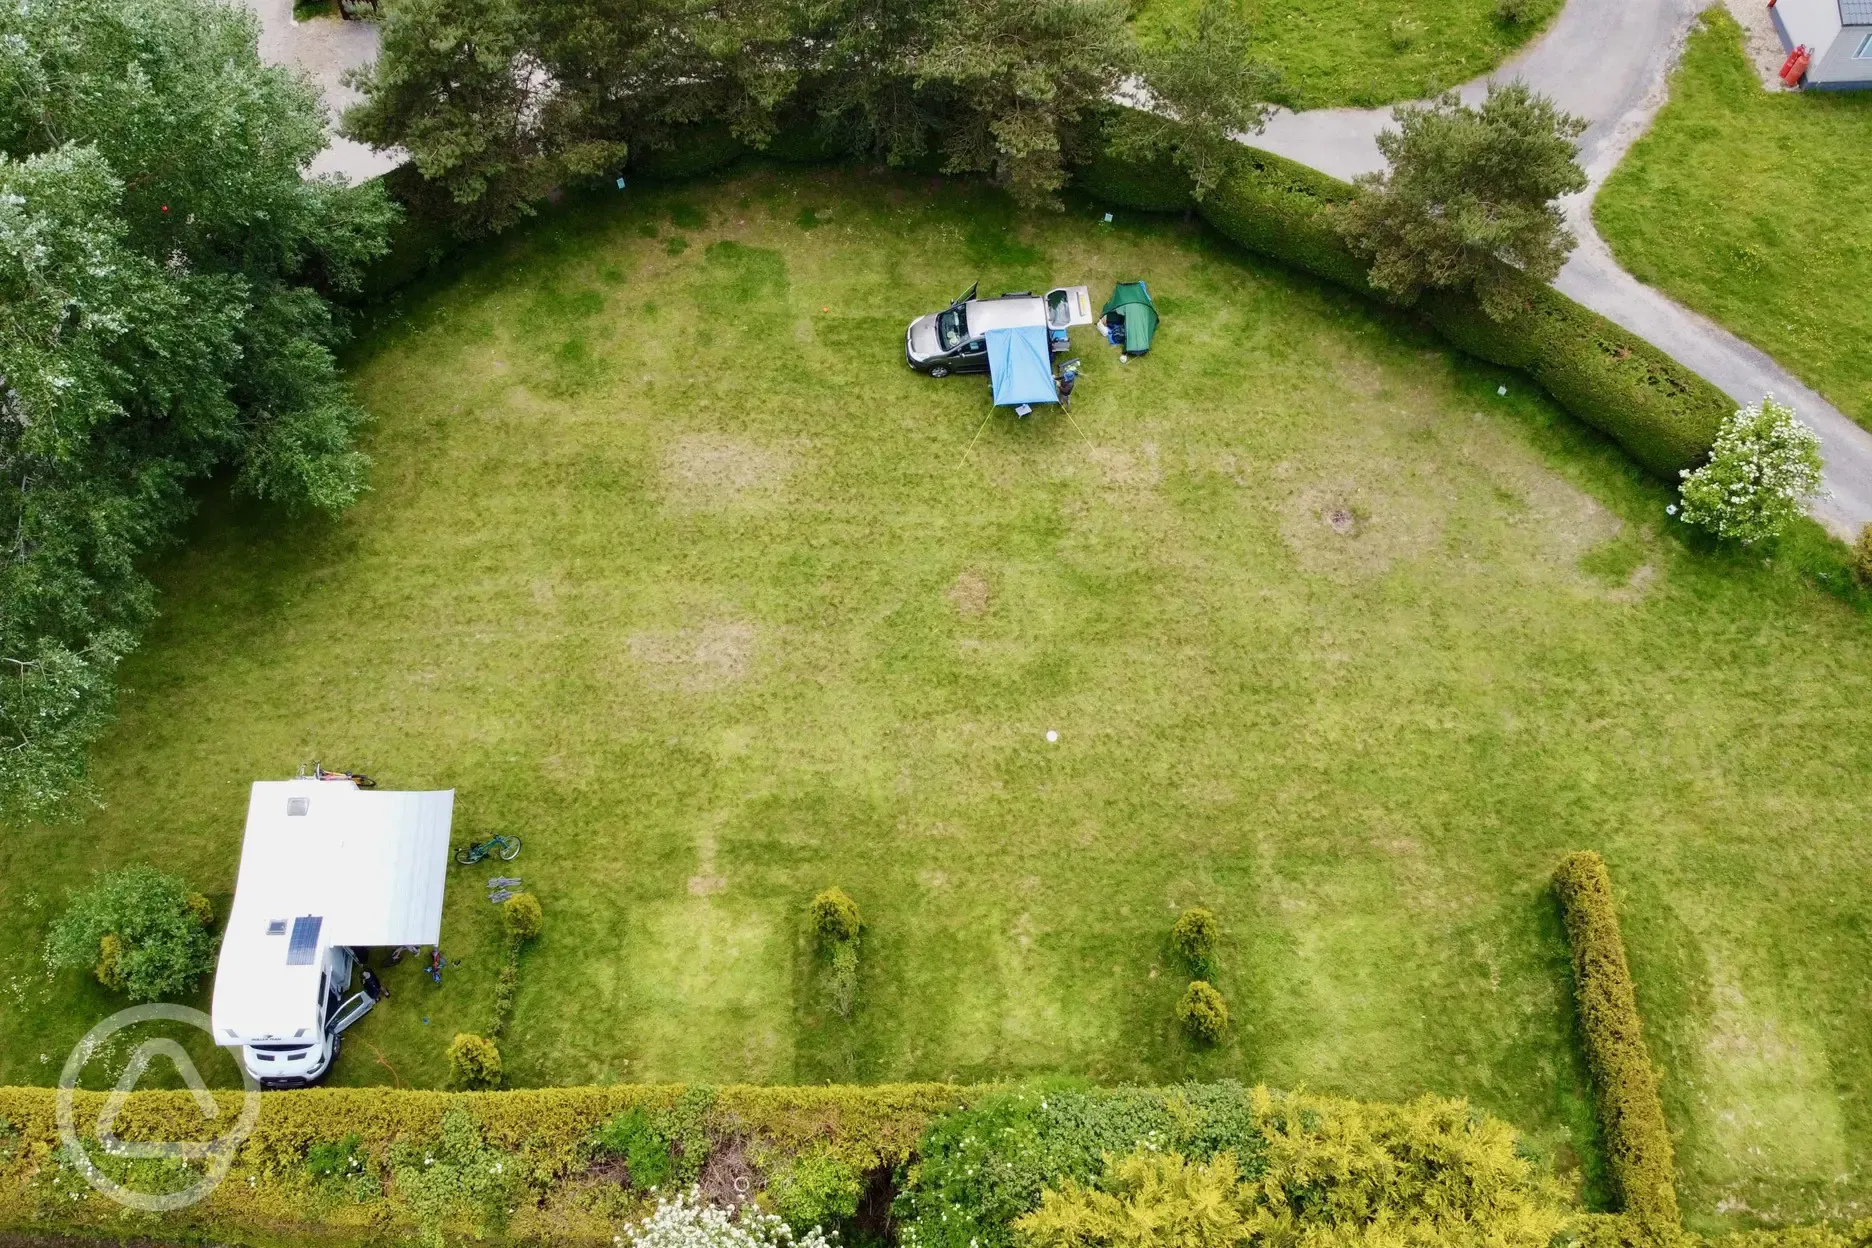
{"x":506,"y":848}
{"x":355,"y":777}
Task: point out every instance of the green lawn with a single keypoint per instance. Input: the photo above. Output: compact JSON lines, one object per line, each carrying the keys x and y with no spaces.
{"x":673,"y":568}
{"x":1364,"y":53}
{"x":1752,"y":207}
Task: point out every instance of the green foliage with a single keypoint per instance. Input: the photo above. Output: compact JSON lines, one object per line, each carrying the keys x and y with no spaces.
{"x":1427,"y":1173}
{"x":645,"y":1150}
{"x":1203,"y":1013}
{"x":1862,"y":557}
{"x":1513,"y":12}
{"x":814,"y":1188}
{"x":338,"y":1159}
{"x":979,"y":1169}
{"x":982,"y":86}
{"x":135,"y":930}
{"x":1763,"y":469}
{"x":458,"y":1178}
{"x":161,"y":258}
{"x":835,"y":916}
{"x":523,"y":917}
{"x":842,"y":977}
{"x":1637,"y":1139}
{"x":474,"y":1062}
{"x":1469,"y":190}
{"x":1207,"y":88}
{"x":1196,"y":936}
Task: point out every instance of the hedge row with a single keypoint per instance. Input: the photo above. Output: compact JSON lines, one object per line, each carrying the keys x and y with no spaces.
{"x":553,"y":1186}
{"x":1637,"y":1140}
{"x":1662,"y":413}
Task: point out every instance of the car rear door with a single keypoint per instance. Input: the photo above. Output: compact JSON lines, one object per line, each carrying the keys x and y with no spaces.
{"x":1068,"y":305}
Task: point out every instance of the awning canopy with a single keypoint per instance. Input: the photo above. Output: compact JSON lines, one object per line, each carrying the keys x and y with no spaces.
{"x":1132,"y":302}
{"x":1021,"y":366}
{"x":324,"y":863}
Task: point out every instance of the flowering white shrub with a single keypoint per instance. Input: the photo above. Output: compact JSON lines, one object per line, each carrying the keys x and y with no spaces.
{"x":688,"y":1221}
{"x":1764,"y":466}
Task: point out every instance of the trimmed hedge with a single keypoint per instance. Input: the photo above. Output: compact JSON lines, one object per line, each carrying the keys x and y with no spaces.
{"x":1637,"y":1139}
{"x":545,"y":1140}
{"x":1662,"y":413}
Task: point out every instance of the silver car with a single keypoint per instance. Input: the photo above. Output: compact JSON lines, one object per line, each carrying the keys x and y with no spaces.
{"x":954,"y":340}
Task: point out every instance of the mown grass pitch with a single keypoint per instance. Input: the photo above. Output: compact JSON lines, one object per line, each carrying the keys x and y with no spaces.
{"x":672,"y":567}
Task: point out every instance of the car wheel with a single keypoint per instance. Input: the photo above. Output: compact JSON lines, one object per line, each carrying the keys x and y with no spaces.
{"x":939,"y":371}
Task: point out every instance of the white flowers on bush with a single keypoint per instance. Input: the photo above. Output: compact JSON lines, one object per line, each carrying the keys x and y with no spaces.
{"x":688,"y":1221}
{"x":1764,"y":466}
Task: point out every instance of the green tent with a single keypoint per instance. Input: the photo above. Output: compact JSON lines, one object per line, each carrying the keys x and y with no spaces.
{"x":1133,"y":305}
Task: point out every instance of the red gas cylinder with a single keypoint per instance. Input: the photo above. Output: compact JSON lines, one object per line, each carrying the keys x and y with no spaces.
{"x":1796,"y":66}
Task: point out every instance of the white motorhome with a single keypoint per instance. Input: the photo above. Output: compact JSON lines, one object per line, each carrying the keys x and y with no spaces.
{"x":327,"y":870}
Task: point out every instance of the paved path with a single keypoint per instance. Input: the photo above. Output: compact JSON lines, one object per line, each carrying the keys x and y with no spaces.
{"x":325,"y":48}
{"x":1608,"y":61}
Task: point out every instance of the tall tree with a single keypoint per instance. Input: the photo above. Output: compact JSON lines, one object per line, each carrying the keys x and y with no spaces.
{"x":158,"y":321}
{"x":1469,"y":189}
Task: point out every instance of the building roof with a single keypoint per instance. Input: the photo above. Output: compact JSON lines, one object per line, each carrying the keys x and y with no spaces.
{"x":1855,"y":12}
{"x":324,"y":863}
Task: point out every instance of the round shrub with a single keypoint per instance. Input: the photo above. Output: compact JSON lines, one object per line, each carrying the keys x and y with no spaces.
{"x":1862,"y":557}
{"x":816,"y":1188}
{"x":1203,"y":1012}
{"x":835,"y":916}
{"x":1195,"y":936}
{"x":474,"y":1062}
{"x":137,"y":930}
{"x":523,"y":916}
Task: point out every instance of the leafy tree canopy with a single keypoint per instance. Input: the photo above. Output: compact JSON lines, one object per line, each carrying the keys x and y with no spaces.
{"x":138,"y":929}
{"x":498,"y":101}
{"x":1469,"y":188}
{"x":162,"y":260}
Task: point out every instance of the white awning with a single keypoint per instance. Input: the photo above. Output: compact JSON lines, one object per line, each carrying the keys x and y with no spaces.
{"x":324,"y":863}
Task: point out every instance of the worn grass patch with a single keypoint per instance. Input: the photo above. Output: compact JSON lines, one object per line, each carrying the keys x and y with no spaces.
{"x":1751,"y":207}
{"x":722,"y":616}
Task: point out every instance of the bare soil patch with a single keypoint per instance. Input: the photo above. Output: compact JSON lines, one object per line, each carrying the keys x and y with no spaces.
{"x":696,"y":660}
{"x":704,"y":471}
{"x":970,"y":593}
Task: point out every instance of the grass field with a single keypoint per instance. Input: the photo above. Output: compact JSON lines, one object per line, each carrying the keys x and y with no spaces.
{"x":1357,"y":53}
{"x":673,"y":568}
{"x":1751,"y":207}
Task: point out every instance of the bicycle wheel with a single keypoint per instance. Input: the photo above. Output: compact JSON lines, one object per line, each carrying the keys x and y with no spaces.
{"x":467,"y":856}
{"x":363,"y":781}
{"x":510,"y":848}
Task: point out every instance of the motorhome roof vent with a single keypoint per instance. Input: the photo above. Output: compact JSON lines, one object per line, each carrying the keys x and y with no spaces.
{"x":304,"y":944}
{"x":298,"y":805}
{"x":277,"y":927}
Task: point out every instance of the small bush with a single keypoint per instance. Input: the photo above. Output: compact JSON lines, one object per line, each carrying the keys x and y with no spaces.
{"x":1513,"y":12}
{"x":633,"y":1137}
{"x":474,"y":1062}
{"x":814,"y":1189}
{"x":1862,"y":557}
{"x":842,"y":977}
{"x":1195,"y":937}
{"x":137,"y":930}
{"x":835,"y":916}
{"x":522,"y":916}
{"x":1403,"y":32}
{"x":1764,"y":466}
{"x":1203,"y":1012}
{"x":1637,"y":1139}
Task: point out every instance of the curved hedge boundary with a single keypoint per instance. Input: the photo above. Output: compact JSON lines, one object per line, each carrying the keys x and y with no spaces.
{"x":1662,"y":413}
{"x":1637,"y":1140}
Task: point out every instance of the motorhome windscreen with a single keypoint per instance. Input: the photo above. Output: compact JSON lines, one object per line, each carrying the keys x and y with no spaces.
{"x":304,"y":943}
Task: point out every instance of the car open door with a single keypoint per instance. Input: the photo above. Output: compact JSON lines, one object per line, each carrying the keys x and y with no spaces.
{"x":1068,"y":305}
{"x":966,"y":295}
{"x":357,"y":1006}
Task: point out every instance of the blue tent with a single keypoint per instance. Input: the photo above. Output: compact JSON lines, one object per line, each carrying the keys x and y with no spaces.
{"x":1021,"y":366}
